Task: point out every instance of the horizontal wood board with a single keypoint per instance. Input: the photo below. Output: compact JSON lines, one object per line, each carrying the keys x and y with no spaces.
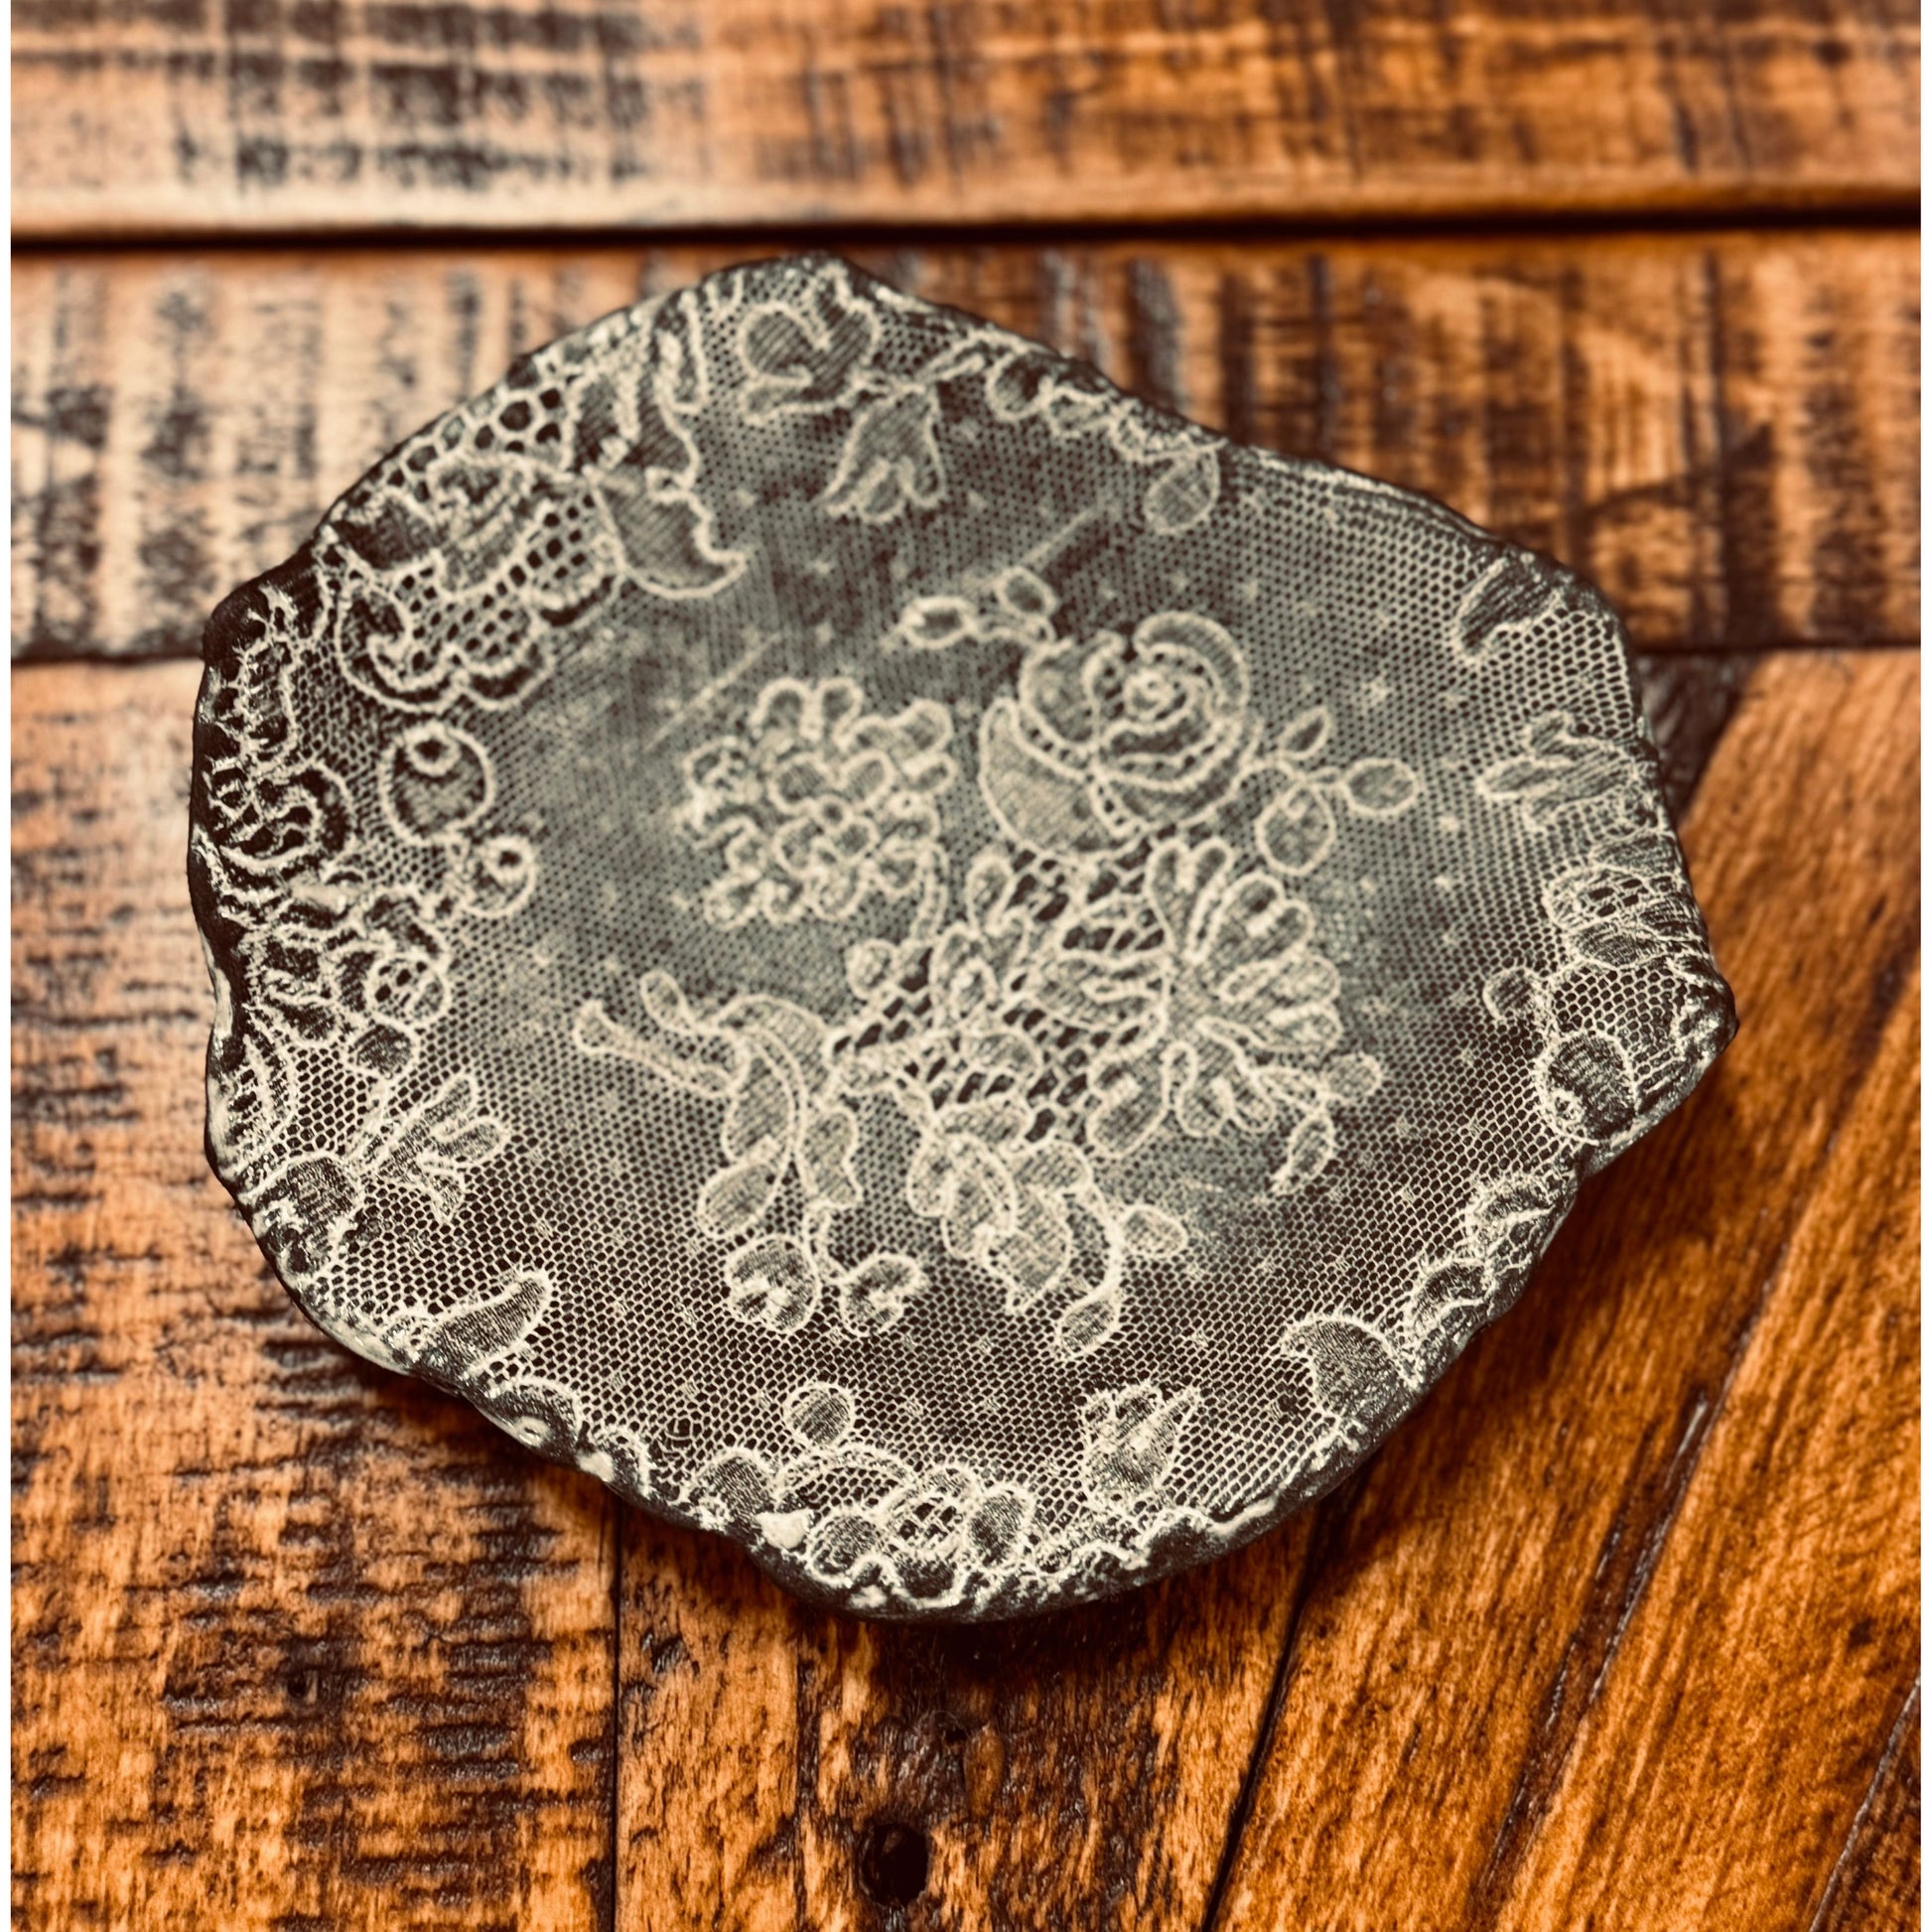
{"x":1620,"y":1628}
{"x":236,"y":116}
{"x":1720,"y":429}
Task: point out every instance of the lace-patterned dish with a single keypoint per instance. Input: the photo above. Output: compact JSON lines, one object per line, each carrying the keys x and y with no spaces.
{"x":912,"y":960}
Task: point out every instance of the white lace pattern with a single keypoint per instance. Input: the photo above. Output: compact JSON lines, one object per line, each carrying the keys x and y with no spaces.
{"x":912,"y":960}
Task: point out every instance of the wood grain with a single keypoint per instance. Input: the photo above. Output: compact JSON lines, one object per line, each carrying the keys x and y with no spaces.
{"x":1632,"y":1535}
{"x":296,"y":1642}
{"x":1077,"y":1769}
{"x":321,"y":114}
{"x":1721,"y":429}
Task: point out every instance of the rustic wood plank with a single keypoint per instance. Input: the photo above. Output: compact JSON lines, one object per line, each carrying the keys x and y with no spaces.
{"x":1478,"y":1631}
{"x":297,"y":1643}
{"x":1802,"y":1581}
{"x":1075,"y":1769}
{"x":1720,"y":429}
{"x":259,"y":116}
{"x":1815,"y":1613}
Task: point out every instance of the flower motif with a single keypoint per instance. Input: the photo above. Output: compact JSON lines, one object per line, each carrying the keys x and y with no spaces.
{"x":806,"y":357}
{"x":890,"y":461}
{"x":817,"y":804}
{"x":434,"y":780}
{"x":1637,"y":957}
{"x":927,"y":1537}
{"x":431,"y":1150}
{"x":1132,"y":1437}
{"x":1110,"y":739}
{"x":1250,"y":1007}
{"x":1557,"y":769}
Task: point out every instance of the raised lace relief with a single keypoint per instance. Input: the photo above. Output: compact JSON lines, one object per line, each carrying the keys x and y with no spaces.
{"x":910,"y":960}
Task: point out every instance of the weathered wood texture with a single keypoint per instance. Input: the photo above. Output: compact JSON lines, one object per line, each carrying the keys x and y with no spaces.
{"x":184,"y":114}
{"x":1619,"y":1630}
{"x":1720,"y":429}
{"x":296,"y":1642}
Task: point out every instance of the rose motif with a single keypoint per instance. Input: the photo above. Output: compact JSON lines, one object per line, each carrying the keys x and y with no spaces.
{"x":1113,"y":739}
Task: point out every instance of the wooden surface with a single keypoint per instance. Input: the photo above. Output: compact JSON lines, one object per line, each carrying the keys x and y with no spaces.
{"x":189,"y":115}
{"x":1620,"y":1629}
{"x":1561,"y":1649}
{"x":1718,"y":428}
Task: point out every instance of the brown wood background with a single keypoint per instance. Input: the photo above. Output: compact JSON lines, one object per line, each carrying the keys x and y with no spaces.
{"x":1621,"y":1629}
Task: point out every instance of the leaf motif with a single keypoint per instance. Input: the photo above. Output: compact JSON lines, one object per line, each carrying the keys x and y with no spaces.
{"x":1150,"y":1233}
{"x":1352,"y":1078}
{"x":1354,"y":1371}
{"x":1185,"y":493}
{"x":825,"y":1159}
{"x":1036,"y":1255}
{"x":760,"y":1111}
{"x":665,"y":533}
{"x":995,"y":1530}
{"x":820,"y":1414}
{"x":1310,"y":1147}
{"x":1298,"y":831}
{"x":1380,"y":787}
{"x":1305,"y":737}
{"x":1087,"y":1324}
{"x":736,"y":1198}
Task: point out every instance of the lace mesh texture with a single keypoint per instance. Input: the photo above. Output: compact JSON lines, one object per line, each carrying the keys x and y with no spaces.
{"x":910,"y":959}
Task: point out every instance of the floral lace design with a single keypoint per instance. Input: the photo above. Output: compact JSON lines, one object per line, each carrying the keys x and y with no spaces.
{"x":1106,"y":979}
{"x":817,"y":806}
{"x":912,"y":960}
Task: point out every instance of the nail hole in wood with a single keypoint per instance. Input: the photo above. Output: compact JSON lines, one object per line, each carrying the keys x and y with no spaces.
{"x":892,"y":1862}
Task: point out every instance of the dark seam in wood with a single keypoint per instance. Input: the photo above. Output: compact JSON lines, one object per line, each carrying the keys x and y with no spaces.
{"x":1893,"y":1739}
{"x":804,"y":1767}
{"x":1885,"y":212}
{"x":1330,"y":1518}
